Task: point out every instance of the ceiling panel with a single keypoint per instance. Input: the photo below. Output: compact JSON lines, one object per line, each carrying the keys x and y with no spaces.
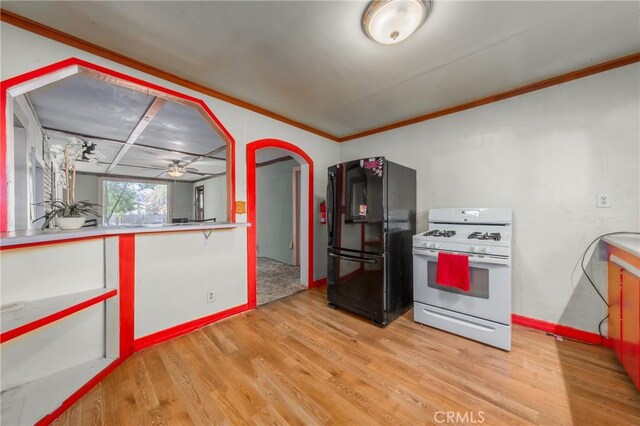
{"x":153,"y":158}
{"x":109,"y":150}
{"x":183,"y":128}
{"x":208,"y":165}
{"x":87,"y":106}
{"x":135,"y":172}
{"x":85,"y":167}
{"x":318,"y":67}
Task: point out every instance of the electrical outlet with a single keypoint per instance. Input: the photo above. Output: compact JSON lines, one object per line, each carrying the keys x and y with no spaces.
{"x":291,"y":245}
{"x":211,"y":296}
{"x":604,"y":201}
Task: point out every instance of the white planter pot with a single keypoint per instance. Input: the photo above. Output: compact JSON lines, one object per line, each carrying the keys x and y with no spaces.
{"x":68,"y":223}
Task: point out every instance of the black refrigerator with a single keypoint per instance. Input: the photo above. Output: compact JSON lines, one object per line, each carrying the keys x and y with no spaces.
{"x":371,"y":220}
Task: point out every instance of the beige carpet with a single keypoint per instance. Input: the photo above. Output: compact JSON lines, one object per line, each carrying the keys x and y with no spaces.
{"x":276,"y":280}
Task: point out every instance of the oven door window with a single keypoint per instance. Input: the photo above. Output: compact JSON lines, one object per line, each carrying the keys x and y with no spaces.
{"x":479,"y":282}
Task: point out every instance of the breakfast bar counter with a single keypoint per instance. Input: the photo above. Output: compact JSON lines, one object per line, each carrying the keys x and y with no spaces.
{"x":77,"y":303}
{"x":36,"y":236}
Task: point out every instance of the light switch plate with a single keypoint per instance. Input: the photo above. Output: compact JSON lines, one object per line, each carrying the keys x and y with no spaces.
{"x":604,"y":201}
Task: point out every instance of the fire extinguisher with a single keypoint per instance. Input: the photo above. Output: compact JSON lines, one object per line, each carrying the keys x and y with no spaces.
{"x":323,"y":213}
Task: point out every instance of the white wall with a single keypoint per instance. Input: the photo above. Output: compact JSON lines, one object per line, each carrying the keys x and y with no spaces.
{"x":215,"y":197}
{"x":87,"y":188}
{"x":182,"y":199}
{"x":546,"y":155}
{"x":274,"y":190}
{"x":22,"y":51}
{"x":174,"y":272}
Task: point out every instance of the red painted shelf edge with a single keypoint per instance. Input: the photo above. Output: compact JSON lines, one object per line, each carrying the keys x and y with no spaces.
{"x":67,"y":403}
{"x":34,"y":325}
{"x":559,"y":329}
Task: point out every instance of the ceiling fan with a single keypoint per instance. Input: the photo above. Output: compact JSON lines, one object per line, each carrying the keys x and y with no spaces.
{"x":176,"y":170}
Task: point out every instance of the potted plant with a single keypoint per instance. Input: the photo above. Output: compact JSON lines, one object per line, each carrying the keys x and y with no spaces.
{"x":69,"y":213}
{"x":68,"y":216}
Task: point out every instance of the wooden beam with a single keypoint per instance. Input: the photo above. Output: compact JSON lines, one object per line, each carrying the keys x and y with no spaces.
{"x":83,"y":135}
{"x":148,"y":116}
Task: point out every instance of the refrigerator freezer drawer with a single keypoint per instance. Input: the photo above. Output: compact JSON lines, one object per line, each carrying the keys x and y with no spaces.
{"x":491,"y":333}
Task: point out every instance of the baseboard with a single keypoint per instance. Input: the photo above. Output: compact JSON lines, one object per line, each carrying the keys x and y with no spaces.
{"x":318,"y":283}
{"x":560,"y":330}
{"x":179,"y":330}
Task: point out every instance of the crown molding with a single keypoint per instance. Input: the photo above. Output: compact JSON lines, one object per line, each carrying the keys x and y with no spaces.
{"x":62,"y":37}
{"x":51,"y":33}
{"x":543,"y":84}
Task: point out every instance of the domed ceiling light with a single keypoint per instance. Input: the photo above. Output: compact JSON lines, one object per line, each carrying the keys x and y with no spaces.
{"x":391,"y":21}
{"x":175,"y":171}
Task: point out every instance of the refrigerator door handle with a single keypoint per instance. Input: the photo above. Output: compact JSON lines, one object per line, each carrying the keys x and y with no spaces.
{"x":331,"y":198}
{"x":353,"y":259}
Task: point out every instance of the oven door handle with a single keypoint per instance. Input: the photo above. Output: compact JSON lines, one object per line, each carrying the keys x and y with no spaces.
{"x":472,"y":259}
{"x":353,"y":258}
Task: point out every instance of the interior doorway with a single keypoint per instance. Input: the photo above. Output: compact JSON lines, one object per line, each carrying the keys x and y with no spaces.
{"x":199,"y":203}
{"x":278,"y":270}
{"x":280,"y":210}
{"x":295,"y":183}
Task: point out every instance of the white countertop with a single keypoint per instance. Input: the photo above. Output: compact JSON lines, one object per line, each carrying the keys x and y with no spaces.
{"x":626,"y":242}
{"x":31,"y":236}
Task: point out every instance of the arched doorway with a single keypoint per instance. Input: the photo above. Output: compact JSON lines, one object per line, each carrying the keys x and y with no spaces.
{"x":306,"y":212}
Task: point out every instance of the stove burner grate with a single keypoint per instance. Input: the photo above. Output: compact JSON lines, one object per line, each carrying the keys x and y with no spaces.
{"x":495,"y":236}
{"x":438,"y":233}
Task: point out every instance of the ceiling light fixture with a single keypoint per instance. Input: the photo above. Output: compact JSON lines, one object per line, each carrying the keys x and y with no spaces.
{"x":176,"y":172}
{"x":391,"y":21}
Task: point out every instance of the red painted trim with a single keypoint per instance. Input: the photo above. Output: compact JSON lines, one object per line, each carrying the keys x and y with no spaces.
{"x":127,"y":274}
{"x":49,"y":418}
{"x":319,"y":283}
{"x":52,"y":242}
{"x":179,"y":330}
{"x":559,"y":329}
{"x":252,"y":232}
{"x":23,"y":329}
{"x":7,"y":84}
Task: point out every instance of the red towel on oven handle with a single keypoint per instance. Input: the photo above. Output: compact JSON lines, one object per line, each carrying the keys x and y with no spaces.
{"x":453,"y":271}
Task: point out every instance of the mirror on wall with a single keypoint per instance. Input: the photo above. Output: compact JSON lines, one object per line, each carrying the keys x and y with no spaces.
{"x":142,"y":158}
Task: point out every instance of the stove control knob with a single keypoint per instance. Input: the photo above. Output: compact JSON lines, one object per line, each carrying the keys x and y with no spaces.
{"x":436,"y":245}
{"x":488,"y":250}
{"x":475,"y":249}
{"x":429,"y":245}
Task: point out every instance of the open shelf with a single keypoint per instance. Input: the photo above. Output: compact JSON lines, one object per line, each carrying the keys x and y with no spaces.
{"x":38,"y":313}
{"x":28,"y":403}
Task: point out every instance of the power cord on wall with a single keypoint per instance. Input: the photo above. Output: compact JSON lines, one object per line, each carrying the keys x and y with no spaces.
{"x":584,"y":271}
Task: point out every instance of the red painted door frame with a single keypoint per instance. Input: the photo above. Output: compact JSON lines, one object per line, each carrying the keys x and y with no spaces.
{"x":252,"y":231}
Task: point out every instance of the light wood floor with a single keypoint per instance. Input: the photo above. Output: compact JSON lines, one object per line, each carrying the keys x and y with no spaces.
{"x":297,"y":361}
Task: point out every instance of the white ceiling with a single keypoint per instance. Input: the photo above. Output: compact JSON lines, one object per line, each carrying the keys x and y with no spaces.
{"x":106,"y":114}
{"x":311,"y":62}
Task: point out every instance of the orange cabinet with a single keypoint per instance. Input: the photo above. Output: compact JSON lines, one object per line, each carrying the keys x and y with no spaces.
{"x":615,"y":309}
{"x":631,"y":326}
{"x":624,"y":310}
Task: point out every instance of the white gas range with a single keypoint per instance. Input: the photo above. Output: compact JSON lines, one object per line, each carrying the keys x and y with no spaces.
{"x":484,"y":312}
